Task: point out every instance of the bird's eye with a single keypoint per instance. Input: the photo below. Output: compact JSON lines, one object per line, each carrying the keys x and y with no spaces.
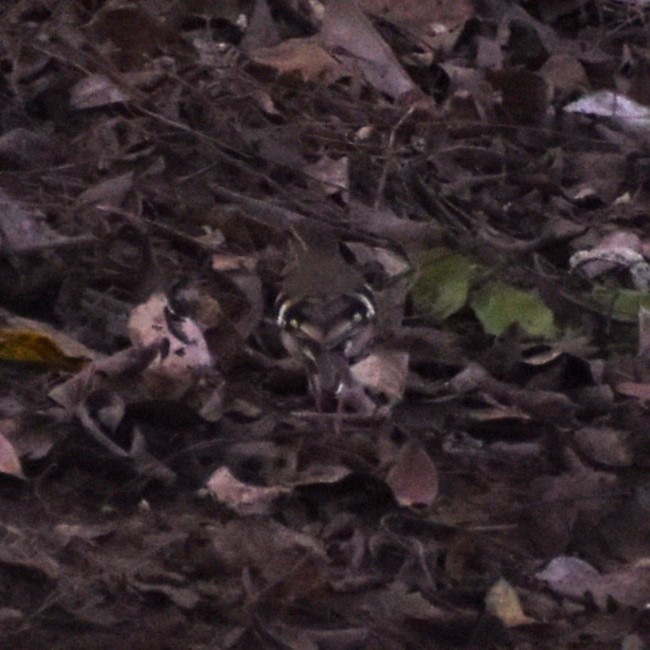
{"x":357,"y":317}
{"x":294,"y":323}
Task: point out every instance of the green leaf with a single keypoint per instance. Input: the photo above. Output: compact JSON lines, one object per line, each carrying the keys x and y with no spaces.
{"x":443,"y":282}
{"x":619,"y":304}
{"x":499,"y":306}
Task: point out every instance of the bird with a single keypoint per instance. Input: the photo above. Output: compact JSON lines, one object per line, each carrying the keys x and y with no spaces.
{"x":326,"y":315}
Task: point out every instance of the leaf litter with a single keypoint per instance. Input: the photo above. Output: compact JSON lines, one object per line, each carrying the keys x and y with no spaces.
{"x":168,"y":479}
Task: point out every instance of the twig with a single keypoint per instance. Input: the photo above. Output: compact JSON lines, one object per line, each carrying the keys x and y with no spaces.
{"x":57,"y":244}
{"x":160,"y":229}
{"x":389,"y":156}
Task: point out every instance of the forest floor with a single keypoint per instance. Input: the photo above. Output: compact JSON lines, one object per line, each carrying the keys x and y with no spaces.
{"x":166,"y":480}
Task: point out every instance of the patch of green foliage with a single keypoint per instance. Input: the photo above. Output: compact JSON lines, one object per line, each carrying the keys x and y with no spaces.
{"x":446,"y":283}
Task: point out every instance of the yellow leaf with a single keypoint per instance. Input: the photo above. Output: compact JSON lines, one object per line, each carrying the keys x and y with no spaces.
{"x":502,"y":601}
{"x":28,"y":346}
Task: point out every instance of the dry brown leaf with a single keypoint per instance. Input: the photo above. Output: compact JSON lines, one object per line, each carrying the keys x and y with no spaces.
{"x":68,"y":533}
{"x":27,"y":438}
{"x":496,"y":412}
{"x":96,"y":90}
{"x":383,"y":372}
{"x":383,"y":222}
{"x":545,"y":405}
{"x":559,"y":501}
{"x":262,"y":30}
{"x":569,"y":576}
{"x":9,"y":461}
{"x":634,"y":389}
{"x":396,"y":603}
{"x":575,"y":578}
{"x":564,"y":73}
{"x":300,"y":56}
{"x":265,"y":102}
{"x":185,"y":598}
{"x":244,"y":498}
{"x":333,"y":176}
{"x":413,"y":478}
{"x":428,"y":16}
{"x":71,"y":393}
{"x":23,"y":229}
{"x":110,"y":192}
{"x":230,"y":262}
{"x":321,"y":474}
{"x":28,"y":149}
{"x":393,"y":264}
{"x":606,"y":446}
{"x":430,"y":20}
{"x":23,"y":551}
{"x":264,"y":545}
{"x":351,"y":36}
{"x":489,"y":54}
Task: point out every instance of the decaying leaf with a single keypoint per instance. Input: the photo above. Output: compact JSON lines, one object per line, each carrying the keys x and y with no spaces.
{"x":413,"y":478}
{"x":183,"y":350}
{"x":621,"y":250}
{"x":383,"y":372}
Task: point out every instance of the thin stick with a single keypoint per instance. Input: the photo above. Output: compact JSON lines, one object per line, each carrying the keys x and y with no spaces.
{"x":390,"y":150}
